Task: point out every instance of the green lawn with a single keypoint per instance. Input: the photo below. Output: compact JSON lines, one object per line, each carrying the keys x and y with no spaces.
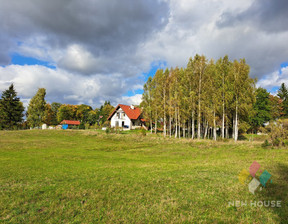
{"x":56,"y":176}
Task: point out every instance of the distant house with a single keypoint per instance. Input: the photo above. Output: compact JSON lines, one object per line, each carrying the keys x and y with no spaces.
{"x":128,"y":117}
{"x":69,"y":124}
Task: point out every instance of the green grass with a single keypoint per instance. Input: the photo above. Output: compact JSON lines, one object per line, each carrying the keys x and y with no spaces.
{"x":55,"y":176}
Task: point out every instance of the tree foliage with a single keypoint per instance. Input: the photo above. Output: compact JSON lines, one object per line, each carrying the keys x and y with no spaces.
{"x":262,"y":108}
{"x":283,"y":95}
{"x":198,"y":100}
{"x":36,"y":108}
{"x":11,"y":109}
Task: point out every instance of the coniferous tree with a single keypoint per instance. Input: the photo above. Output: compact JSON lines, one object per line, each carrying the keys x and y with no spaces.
{"x":283,"y":94}
{"x":262,"y":108}
{"x":11,"y":109}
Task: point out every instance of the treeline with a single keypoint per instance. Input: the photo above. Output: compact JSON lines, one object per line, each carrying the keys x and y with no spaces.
{"x":200,"y":100}
{"x":39,"y":112}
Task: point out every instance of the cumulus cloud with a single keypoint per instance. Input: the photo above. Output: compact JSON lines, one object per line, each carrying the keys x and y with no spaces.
{"x":101,"y":48}
{"x":66,"y":87}
{"x":276,"y":78}
{"x":109,"y":29}
{"x":270,"y":16}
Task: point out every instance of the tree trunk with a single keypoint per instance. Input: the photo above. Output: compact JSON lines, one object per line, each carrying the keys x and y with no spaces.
{"x":179,"y":130}
{"x":223,"y":124}
{"x":214,"y":127}
{"x":199,"y":125}
{"x":176,"y":122}
{"x":227,"y":129}
{"x":236,"y":122}
{"x":170,"y":128}
{"x":223,"y":107}
{"x":206,"y":129}
{"x":199,"y":107}
{"x":189,"y":129}
{"x":164,"y":120}
{"x":233,"y":132}
{"x":193,"y":126}
{"x":156,"y":124}
{"x":183,"y":129}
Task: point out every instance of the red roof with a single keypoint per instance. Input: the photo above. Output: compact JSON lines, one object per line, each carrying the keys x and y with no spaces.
{"x":133,"y":114}
{"x":70,"y":122}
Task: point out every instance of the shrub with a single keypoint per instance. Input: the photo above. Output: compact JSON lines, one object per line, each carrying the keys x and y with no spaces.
{"x":265,"y":144}
{"x":276,"y":142}
{"x":278,"y":132}
{"x":143,"y":132}
{"x":87,"y":126}
{"x":285,"y":142}
{"x":82,"y":126}
{"x":108,"y":131}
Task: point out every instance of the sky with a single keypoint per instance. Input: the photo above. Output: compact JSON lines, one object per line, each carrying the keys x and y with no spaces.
{"x":89,"y":51}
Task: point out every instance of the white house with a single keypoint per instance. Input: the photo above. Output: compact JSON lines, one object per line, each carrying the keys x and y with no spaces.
{"x":128,"y":117}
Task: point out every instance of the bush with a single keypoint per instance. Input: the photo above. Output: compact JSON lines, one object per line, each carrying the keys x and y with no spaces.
{"x":82,"y":126}
{"x":87,"y":126}
{"x":143,"y":132}
{"x":265,"y":144}
{"x":276,"y":142}
{"x":278,"y":132}
{"x":108,"y":131}
{"x":285,"y":142}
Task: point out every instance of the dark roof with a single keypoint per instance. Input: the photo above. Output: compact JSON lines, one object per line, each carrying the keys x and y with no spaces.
{"x":133,"y":114}
{"x":70,"y":122}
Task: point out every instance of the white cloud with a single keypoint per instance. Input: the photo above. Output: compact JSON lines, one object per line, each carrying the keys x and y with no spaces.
{"x":66,"y":87}
{"x":101,"y":49}
{"x":135,"y":100}
{"x":276,"y":78}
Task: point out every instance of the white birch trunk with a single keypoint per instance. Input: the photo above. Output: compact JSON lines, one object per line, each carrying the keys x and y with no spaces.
{"x":184,"y":129}
{"x":164,"y":129}
{"x":156,"y":124}
{"x":176,"y":123}
{"x":223,"y":123}
{"x":236,"y":122}
{"x":170,"y":128}
{"x":179,"y":130}
{"x":193,"y":126}
{"x":214,"y":127}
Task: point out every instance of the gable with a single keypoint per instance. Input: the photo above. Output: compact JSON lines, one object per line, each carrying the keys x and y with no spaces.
{"x":133,"y":114}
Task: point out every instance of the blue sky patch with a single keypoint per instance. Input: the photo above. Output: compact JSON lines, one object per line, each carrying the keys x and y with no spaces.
{"x":17,"y":59}
{"x":153,"y":69}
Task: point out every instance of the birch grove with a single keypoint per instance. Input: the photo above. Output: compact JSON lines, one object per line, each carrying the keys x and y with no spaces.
{"x":206,"y":99}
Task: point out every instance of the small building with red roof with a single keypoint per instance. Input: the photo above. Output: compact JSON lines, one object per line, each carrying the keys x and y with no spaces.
{"x":69,"y":124}
{"x":127,"y":117}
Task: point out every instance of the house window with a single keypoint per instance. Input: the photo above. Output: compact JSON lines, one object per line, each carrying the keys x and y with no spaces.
{"x":123,"y":123}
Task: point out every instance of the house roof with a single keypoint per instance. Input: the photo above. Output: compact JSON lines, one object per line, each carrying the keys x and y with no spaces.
{"x":133,"y":114}
{"x":70,"y":122}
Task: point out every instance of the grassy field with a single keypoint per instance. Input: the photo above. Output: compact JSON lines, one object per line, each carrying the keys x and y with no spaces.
{"x":55,"y":176}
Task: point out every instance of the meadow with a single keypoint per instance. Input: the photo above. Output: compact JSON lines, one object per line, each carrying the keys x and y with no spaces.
{"x":74,"y":176}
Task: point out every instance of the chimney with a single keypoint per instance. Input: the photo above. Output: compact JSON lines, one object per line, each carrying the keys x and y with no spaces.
{"x":132,"y":107}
